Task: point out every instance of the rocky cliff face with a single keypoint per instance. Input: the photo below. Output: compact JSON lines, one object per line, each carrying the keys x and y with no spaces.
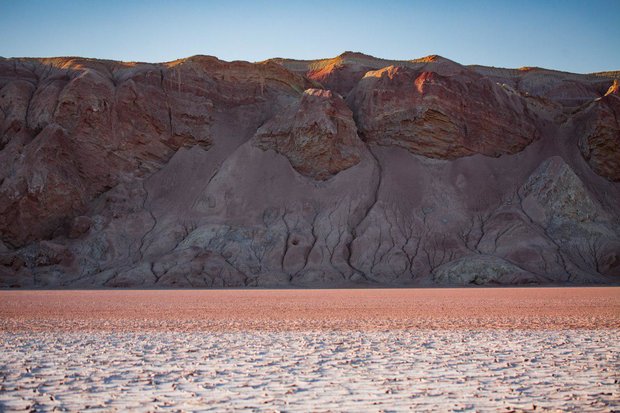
{"x":599,"y":124}
{"x":444,"y":117}
{"x":343,"y":171}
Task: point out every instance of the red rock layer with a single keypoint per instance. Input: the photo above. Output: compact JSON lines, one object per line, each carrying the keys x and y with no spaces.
{"x":73,"y":128}
{"x":439,"y":116}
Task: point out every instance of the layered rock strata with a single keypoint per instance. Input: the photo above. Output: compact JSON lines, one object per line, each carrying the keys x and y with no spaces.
{"x":345,"y":171}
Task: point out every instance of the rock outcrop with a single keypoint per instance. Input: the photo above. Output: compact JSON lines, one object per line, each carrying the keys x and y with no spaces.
{"x":443,"y":117}
{"x":204,"y":173}
{"x":317,"y":135}
{"x":482,"y":270}
{"x":600,"y":134}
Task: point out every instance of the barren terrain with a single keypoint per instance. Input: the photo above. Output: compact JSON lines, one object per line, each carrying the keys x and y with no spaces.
{"x":341,"y":172}
{"x":517,"y":349}
{"x":305,"y":310}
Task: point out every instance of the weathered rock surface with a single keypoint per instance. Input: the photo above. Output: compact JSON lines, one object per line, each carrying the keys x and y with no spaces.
{"x":317,"y":135}
{"x":600,"y":134}
{"x":339,"y":74}
{"x":342,"y":73}
{"x":586,"y":237}
{"x":481,"y":270}
{"x":204,"y":173}
{"x":73,"y":127}
{"x":444,"y":117}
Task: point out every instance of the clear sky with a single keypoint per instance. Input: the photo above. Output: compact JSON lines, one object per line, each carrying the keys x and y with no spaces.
{"x":572,"y":35}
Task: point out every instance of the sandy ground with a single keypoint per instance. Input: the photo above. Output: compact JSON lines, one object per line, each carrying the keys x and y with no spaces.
{"x":316,"y":350}
{"x":302,"y":310}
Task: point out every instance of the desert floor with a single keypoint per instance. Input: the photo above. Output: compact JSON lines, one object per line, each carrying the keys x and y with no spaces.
{"x":482,"y":349}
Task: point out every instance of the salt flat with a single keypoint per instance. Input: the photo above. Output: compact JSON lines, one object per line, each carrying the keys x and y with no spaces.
{"x":315,"y":350}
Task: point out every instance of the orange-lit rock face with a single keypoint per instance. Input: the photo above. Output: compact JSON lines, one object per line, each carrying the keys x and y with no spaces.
{"x":614,"y":89}
{"x":317,"y":135}
{"x":339,"y":74}
{"x":440,"y":116}
{"x":338,"y":77}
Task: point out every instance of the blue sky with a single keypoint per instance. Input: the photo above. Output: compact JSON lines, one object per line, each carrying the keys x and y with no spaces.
{"x":578,"y":36}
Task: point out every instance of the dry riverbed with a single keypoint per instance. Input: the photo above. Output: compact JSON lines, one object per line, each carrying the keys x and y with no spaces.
{"x":520,"y":349}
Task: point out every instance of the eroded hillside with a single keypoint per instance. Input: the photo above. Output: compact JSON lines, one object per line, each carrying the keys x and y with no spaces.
{"x":351,"y":170}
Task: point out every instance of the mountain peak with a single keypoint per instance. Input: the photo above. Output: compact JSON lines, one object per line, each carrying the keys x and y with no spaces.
{"x":431,"y":58}
{"x":350,"y":54}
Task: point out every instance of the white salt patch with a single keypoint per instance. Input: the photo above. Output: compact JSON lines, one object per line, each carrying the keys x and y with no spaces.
{"x":440,"y":370}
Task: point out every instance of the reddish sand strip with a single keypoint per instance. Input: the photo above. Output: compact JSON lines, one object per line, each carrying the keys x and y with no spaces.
{"x":295,"y":310}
